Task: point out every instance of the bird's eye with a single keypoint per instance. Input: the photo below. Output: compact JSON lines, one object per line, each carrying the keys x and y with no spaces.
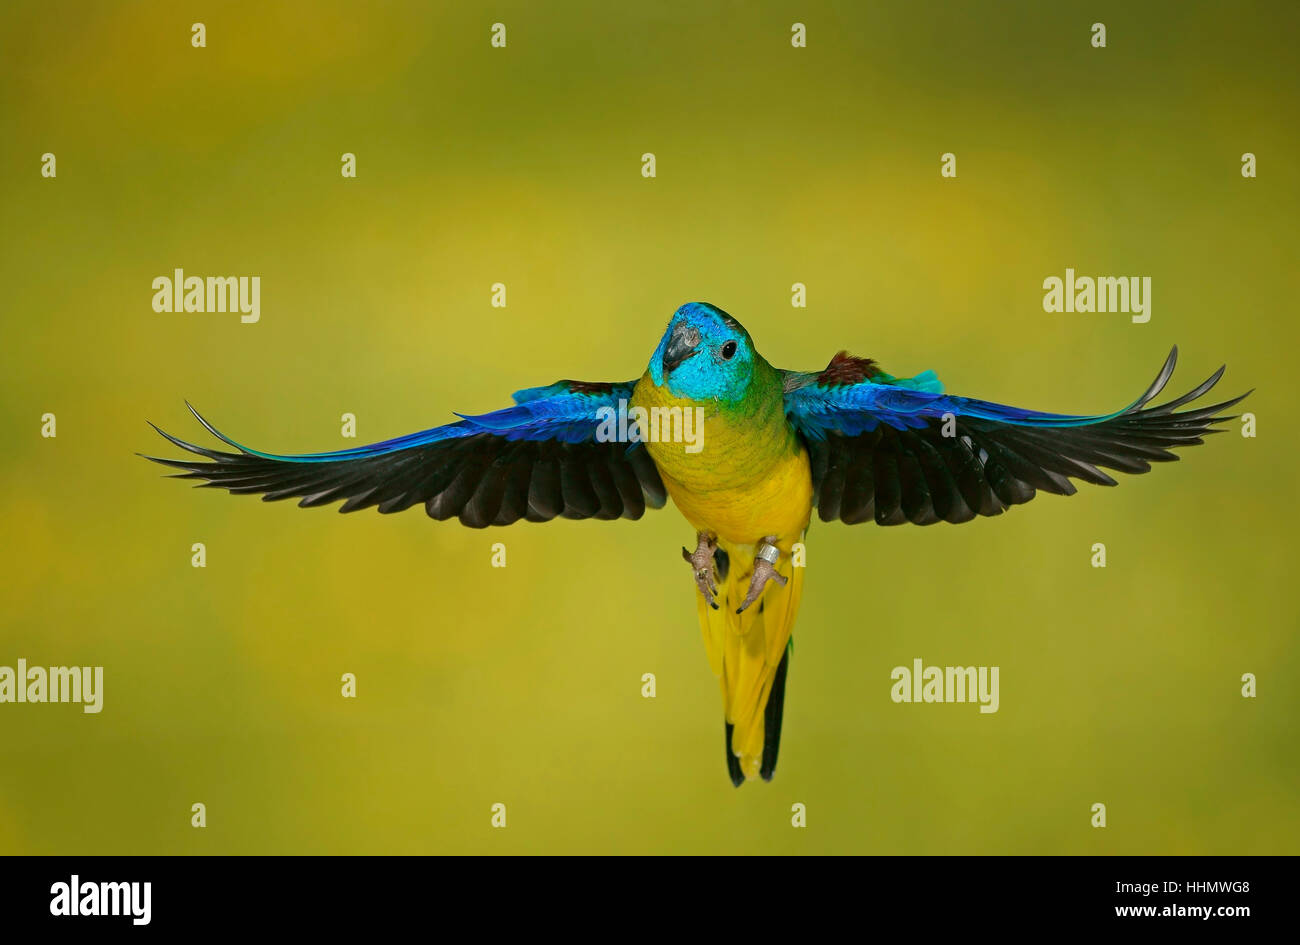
{"x":728,"y":351}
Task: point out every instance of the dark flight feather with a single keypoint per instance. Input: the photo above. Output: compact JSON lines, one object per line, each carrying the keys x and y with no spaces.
{"x":879,"y":452}
{"x":536,"y":461}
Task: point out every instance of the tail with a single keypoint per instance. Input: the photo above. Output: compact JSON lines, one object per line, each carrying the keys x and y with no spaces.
{"x":750,"y":654}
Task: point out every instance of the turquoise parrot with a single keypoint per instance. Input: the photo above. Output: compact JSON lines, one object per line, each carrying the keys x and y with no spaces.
{"x":747,"y":452}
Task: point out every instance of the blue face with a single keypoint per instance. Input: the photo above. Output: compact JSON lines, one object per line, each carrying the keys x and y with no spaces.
{"x":704,"y":355}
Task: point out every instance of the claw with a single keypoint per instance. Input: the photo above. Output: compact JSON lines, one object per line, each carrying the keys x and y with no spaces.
{"x":702,"y":564}
{"x":764,"y":570}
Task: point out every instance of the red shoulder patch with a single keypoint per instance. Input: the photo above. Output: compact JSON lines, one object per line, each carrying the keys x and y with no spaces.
{"x":845,"y":369}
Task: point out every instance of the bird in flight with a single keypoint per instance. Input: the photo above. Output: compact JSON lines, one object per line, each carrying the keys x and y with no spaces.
{"x":747,"y":452}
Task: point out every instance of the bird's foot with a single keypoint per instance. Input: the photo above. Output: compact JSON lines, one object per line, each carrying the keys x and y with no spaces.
{"x":702,"y":564}
{"x":765,"y":561}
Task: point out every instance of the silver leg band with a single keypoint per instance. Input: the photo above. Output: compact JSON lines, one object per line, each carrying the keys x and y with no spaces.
{"x":769,"y":553}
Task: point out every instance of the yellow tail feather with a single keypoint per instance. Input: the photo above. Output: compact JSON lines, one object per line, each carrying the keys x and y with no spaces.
{"x":745,"y":650}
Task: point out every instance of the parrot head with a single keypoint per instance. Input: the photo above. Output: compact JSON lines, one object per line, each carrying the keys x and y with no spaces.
{"x":704,"y":355}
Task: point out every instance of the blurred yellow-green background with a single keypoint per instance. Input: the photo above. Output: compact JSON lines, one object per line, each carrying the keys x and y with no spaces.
{"x":522,"y":165}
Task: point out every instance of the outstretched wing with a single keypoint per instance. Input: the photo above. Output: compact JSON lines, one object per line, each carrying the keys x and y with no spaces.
{"x":895,"y":450}
{"x":536,"y":460}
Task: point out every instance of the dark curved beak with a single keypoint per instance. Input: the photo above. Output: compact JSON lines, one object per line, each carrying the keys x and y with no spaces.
{"x":682,"y":343}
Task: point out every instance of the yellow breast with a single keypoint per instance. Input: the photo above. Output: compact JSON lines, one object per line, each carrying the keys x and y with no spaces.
{"x":737,"y":483}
